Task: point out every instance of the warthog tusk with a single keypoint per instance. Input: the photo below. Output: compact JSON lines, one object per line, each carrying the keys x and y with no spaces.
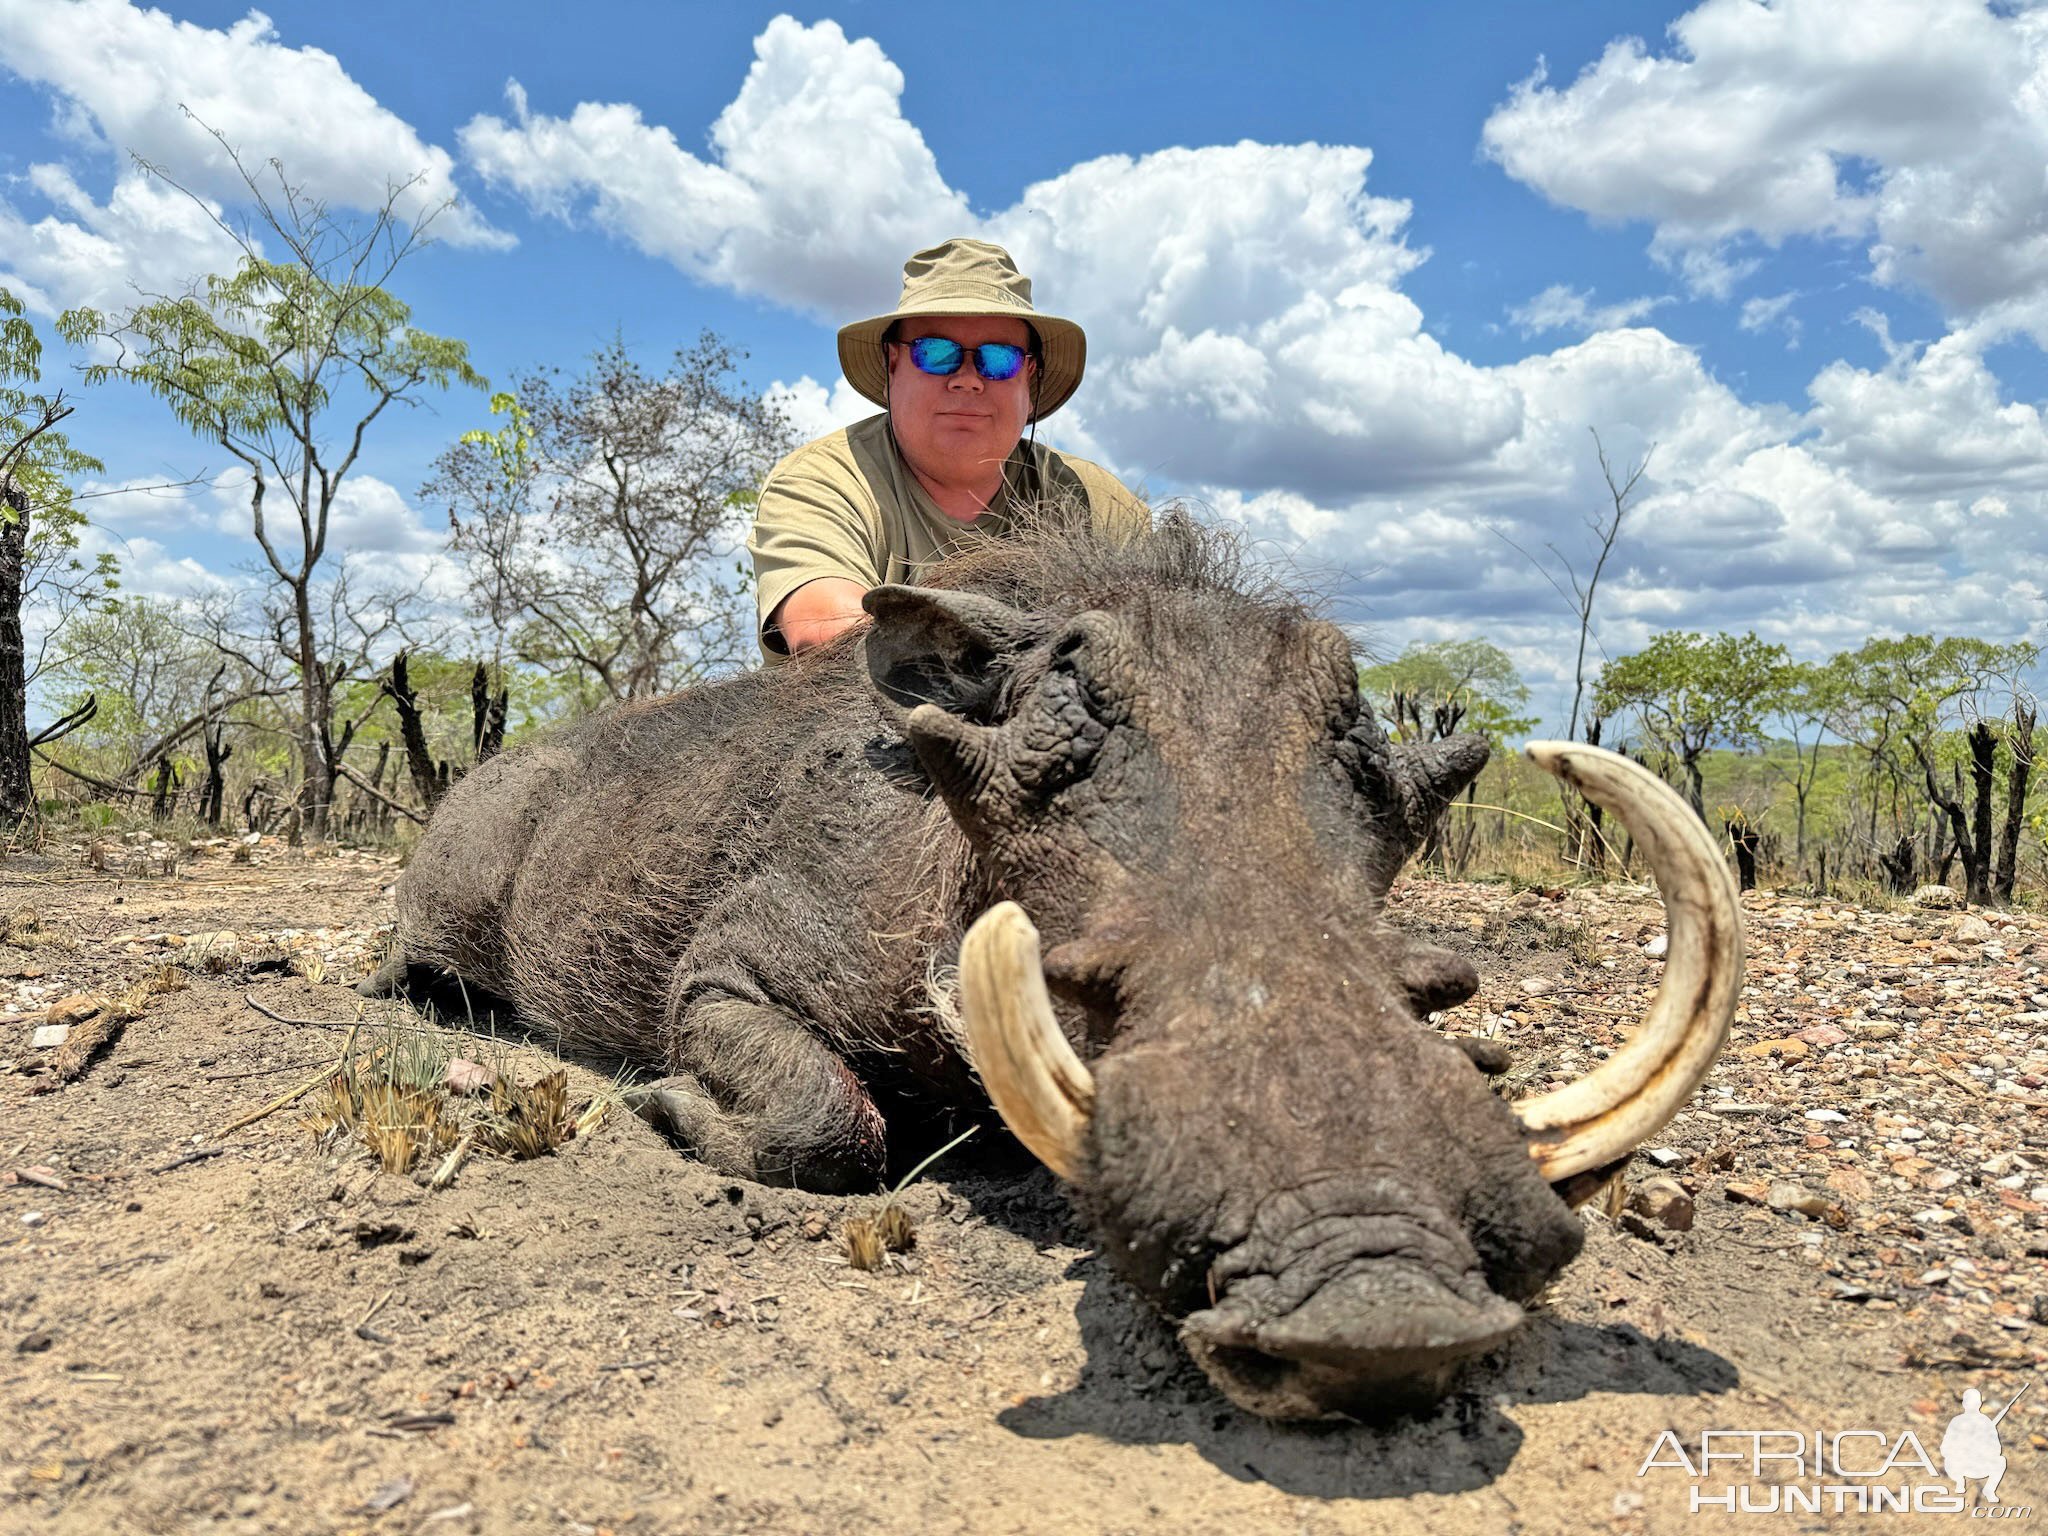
{"x":1039,"y":1086}
{"x":1617,"y":1106}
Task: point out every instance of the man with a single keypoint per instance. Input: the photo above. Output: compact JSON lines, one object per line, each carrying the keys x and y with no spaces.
{"x":961,"y":367}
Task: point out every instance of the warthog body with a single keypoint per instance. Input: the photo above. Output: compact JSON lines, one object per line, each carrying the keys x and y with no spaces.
{"x":759,"y":889}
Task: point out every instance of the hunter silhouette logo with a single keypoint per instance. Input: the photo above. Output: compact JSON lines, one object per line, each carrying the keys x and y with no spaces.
{"x":1871,"y":1471}
{"x":1970,"y":1446}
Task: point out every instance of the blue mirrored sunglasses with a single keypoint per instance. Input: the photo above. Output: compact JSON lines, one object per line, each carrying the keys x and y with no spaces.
{"x":993,"y":360}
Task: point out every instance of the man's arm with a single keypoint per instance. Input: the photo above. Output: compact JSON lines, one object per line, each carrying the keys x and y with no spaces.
{"x":817,"y":611}
{"x":816,"y":545}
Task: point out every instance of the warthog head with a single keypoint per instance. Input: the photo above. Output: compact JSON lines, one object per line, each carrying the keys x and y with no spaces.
{"x":1220,"y":1044}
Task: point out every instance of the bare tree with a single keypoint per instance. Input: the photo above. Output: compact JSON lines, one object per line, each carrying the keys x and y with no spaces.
{"x":601,"y":524}
{"x":1584,"y":834}
{"x":287,"y":365}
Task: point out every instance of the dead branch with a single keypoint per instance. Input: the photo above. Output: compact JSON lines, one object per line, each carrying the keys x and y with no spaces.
{"x":69,"y":723}
{"x":377,"y":794}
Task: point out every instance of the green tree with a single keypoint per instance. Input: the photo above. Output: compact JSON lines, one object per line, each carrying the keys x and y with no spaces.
{"x":1438,"y":687}
{"x":1692,"y":692}
{"x":1802,"y":702}
{"x":1434,"y":689}
{"x":287,"y":364}
{"x":39,"y":560}
{"x":1900,"y":700}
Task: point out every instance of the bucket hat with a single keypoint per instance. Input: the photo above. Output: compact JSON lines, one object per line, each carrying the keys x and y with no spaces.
{"x":967,"y":277}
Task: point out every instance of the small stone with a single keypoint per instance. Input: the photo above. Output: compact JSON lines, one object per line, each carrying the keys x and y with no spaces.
{"x":1823,"y":1035}
{"x":1665,"y":1157}
{"x":35,"y":1343}
{"x":1828,"y":1116}
{"x":1663,"y":1201}
{"x":33,"y":1218}
{"x":1972,"y":929}
{"x":1934,"y":1277}
{"x":1783,"y":1050}
{"x":1850,"y":1183}
{"x":1659,"y":946}
{"x":1934,"y":1216}
{"x":465,"y":1077}
{"x":1538,"y":986}
{"x":389,"y":1495}
{"x":1792,"y":1197}
{"x":1848,"y":1290}
{"x":1912,"y":1133}
{"x":50,"y":1036}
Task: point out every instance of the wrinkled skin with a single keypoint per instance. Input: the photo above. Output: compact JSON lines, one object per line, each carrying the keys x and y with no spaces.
{"x":1179,"y":783}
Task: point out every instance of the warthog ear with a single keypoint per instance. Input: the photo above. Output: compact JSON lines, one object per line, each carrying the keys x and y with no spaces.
{"x":1435,"y":772}
{"x":1411,"y":784}
{"x":950,"y":649}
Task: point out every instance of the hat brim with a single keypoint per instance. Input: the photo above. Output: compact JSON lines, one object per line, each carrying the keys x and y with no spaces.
{"x":1062,"y":346}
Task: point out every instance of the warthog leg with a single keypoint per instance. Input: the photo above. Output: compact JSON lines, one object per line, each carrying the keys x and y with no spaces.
{"x":680,"y":1109}
{"x":765,"y":1099}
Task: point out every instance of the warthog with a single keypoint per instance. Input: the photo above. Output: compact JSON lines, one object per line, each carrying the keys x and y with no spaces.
{"x":774,"y":890}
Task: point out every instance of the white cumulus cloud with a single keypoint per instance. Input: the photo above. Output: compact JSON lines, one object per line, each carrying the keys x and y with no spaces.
{"x":816,"y":189}
{"x":1917,"y":127}
{"x":128,"y":80}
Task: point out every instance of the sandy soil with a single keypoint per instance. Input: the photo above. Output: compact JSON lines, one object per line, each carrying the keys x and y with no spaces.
{"x":280,"y":1338}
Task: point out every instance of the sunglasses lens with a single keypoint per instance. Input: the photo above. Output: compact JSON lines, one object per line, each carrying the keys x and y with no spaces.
{"x":998,"y":360}
{"x":936,"y":355}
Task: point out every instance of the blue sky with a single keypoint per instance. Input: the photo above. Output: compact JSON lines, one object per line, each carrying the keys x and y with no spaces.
{"x":1360,"y":278}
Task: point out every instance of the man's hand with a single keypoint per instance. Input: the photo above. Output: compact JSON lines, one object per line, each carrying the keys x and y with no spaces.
{"x":818,"y":611}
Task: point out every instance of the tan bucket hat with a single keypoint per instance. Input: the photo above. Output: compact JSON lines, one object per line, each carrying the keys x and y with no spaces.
{"x":967,"y":277}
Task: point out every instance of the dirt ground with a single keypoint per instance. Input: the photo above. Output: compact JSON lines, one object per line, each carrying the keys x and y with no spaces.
{"x":277,"y":1337}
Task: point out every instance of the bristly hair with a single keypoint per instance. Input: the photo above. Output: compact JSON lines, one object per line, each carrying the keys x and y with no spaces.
{"x":1046,"y":561}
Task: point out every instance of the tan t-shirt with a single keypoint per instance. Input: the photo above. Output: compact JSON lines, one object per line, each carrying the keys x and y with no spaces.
{"x":848,"y":506}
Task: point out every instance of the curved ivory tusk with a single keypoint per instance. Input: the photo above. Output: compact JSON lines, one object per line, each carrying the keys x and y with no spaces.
{"x":1617,"y":1106}
{"x":1039,"y":1086}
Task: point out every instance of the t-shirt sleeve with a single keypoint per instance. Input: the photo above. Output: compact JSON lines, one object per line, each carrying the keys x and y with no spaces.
{"x":811,"y":521}
{"x":1114,"y":508}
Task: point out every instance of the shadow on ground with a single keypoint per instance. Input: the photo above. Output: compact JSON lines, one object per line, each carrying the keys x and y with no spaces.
{"x":1140,"y":1388}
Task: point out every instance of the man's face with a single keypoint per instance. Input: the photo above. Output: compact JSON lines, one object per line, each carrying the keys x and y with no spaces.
{"x":956,"y":429}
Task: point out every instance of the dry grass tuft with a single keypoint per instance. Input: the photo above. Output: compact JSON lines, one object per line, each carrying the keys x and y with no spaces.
{"x":864,"y":1248}
{"x":23,"y":929}
{"x":896,"y":1228}
{"x":311,"y":966}
{"x":524,"y":1122}
{"x":891,"y":1229}
{"x":402,"y":1101}
{"x":399,"y":1123}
